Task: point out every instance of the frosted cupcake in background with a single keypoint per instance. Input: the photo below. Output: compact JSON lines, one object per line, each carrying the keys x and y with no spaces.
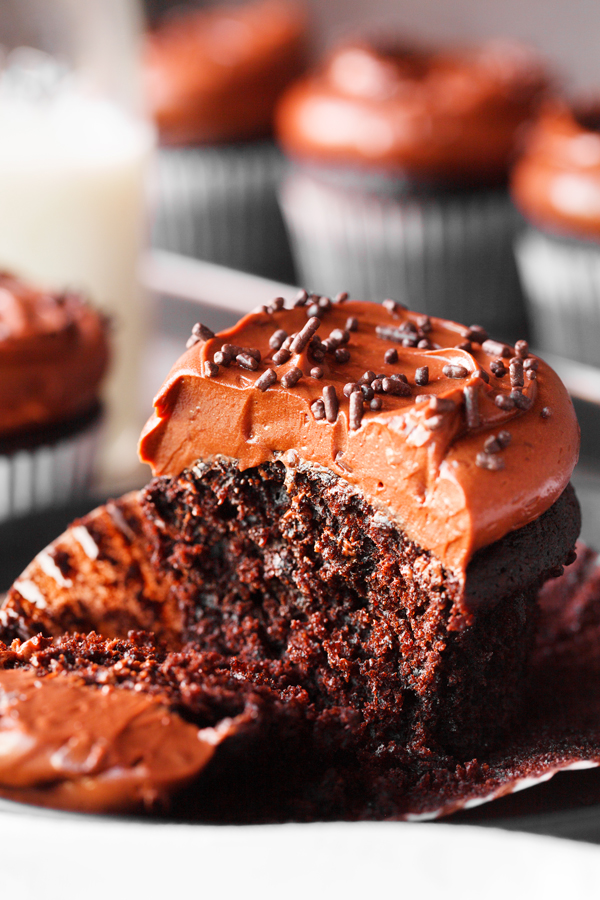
{"x":398,"y":188}
{"x":53,"y":354}
{"x":556,"y":185}
{"x":213,"y":77}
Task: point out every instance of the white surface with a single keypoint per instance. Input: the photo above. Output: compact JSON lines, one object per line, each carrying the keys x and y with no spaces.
{"x":68,"y":856}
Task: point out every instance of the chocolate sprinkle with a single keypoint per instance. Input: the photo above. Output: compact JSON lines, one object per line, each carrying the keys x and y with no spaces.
{"x":483,"y":375}
{"x":246,"y":361}
{"x":391,"y":356}
{"x":314,"y":310}
{"x":301,"y":298}
{"x":252,"y":351}
{"x":324,"y":304}
{"x":331,"y":403}
{"x":455,"y":371}
{"x":266,"y":380}
{"x":341,"y":297}
{"x":278,"y":303}
{"x":546,"y":412}
{"x":316,"y":372}
{"x":498,"y":368}
{"x":520,"y":400}
{"x":352,"y":323}
{"x":340,"y":335}
{"x":318,"y":409}
{"x":488,"y":461}
{"x":304,"y":336}
{"x":504,"y":438}
{"x":291,"y":377}
{"x":422,"y":376}
{"x":356,"y":410}
{"x":391,"y":306}
{"x":491,"y":445}
{"x":367,"y":377}
{"x":466,"y":345}
{"x":471,"y":395}
{"x":477,"y":334}
{"x":495,"y":348}
{"x":531,"y":363}
{"x":282,"y":356}
{"x":503,"y":401}
{"x":516,"y":372}
{"x":342,"y":355}
{"x":424,"y":344}
{"x":199,"y":333}
{"x":531,"y":374}
{"x":522,"y":349}
{"x":210,"y":369}
{"x":376,"y":403}
{"x":277,"y":339}
{"x":367,"y":391}
{"x":377,"y":385}
{"x":424,"y":323}
{"x":395,"y":386}
{"x":350,"y":388}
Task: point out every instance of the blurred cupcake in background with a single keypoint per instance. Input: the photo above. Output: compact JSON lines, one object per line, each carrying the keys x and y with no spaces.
{"x":213,"y":77}
{"x":398,"y":187}
{"x":556,"y":185}
{"x":53,"y":354}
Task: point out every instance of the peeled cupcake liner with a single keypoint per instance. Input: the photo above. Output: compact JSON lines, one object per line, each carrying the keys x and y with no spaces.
{"x":448,"y":254}
{"x":48,"y":475}
{"x":561,"y":281}
{"x":220,"y":204}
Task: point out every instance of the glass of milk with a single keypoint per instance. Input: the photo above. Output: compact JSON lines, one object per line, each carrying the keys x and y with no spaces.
{"x":74,"y":149}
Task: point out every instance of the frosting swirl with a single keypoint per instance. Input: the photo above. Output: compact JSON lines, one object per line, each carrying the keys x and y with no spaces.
{"x":556,"y":183}
{"x":447,"y":116}
{"x":53,"y":353}
{"x":215,"y":75}
{"x":453,"y":435}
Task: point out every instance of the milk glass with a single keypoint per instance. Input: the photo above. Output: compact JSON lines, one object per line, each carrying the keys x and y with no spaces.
{"x":74,"y":148}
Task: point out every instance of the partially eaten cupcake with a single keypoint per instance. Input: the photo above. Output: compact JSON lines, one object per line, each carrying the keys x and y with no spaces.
{"x":353,"y":512}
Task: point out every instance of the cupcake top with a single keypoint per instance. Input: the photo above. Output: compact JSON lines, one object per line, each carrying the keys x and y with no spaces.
{"x":556,"y":183}
{"x":53,"y":354}
{"x":459,"y":438}
{"x":448,"y":116}
{"x":215,"y":75}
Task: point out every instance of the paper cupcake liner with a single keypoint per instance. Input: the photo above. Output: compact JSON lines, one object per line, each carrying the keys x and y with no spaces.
{"x":561,"y":280}
{"x":448,"y":255}
{"x":220,"y":204}
{"x":48,"y":475}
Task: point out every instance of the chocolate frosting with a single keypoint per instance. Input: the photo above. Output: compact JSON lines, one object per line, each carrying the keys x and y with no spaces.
{"x":215,"y":75}
{"x":53,"y":353}
{"x":447,"y":116}
{"x":419,"y":462}
{"x":556,"y":184}
{"x":67,"y":744}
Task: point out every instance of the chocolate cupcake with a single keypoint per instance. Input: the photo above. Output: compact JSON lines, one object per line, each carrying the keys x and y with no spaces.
{"x":398,"y":188}
{"x":53,"y":354}
{"x":213,"y":77}
{"x":353,"y":509}
{"x":556,"y":185}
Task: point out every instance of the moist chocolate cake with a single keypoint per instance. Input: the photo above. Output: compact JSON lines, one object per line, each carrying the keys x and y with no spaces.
{"x":344,"y":540}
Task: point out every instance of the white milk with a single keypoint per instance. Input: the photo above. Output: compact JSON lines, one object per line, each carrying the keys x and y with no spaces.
{"x":72,"y":198}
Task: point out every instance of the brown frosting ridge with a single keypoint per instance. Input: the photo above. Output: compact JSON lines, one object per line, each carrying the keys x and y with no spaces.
{"x":449,"y":115}
{"x":556,"y":183}
{"x":215,"y":75}
{"x":71,"y":745}
{"x":53,"y":354}
{"x":418,"y":461}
